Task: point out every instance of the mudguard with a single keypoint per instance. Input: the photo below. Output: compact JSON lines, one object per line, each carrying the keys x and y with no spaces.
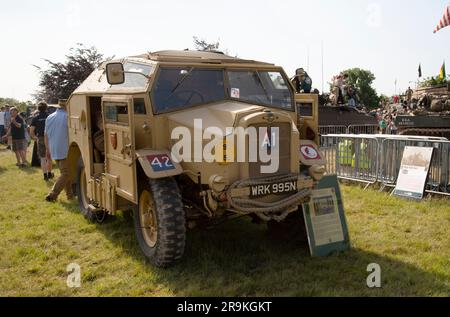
{"x":158,"y":163}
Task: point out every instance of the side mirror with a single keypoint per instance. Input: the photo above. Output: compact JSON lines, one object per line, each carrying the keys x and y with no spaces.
{"x":115,"y":73}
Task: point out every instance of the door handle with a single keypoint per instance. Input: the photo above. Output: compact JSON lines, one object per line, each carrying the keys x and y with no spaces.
{"x":127,"y":149}
{"x":146,"y":127}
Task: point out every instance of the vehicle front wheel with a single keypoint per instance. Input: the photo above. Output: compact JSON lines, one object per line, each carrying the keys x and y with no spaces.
{"x":291,"y":229}
{"x":160,"y":222}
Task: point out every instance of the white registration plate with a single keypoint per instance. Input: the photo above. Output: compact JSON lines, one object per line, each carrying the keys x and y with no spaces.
{"x":273,"y":189}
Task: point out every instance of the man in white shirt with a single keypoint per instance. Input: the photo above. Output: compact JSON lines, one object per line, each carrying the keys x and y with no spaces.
{"x":8,"y":124}
{"x":57,"y":148}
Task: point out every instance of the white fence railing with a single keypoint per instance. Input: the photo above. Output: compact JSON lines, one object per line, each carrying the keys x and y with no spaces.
{"x":351,"y":129}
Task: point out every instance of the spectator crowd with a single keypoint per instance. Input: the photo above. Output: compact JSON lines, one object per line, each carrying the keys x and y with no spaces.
{"x":49,"y":131}
{"x":388,"y":111}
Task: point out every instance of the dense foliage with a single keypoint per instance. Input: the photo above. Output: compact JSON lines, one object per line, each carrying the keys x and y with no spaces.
{"x":362,"y":80}
{"x":59,"y":80}
{"x":203,"y":45}
{"x":21,"y":105}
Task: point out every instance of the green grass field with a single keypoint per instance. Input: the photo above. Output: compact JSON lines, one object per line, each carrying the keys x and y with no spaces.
{"x":409,"y":240}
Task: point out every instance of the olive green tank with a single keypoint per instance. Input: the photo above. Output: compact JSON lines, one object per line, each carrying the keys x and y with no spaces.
{"x":430,"y":114}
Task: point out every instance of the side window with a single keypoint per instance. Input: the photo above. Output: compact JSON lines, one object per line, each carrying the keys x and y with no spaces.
{"x":139,"y":106}
{"x":305,"y":109}
{"x":116,"y":113}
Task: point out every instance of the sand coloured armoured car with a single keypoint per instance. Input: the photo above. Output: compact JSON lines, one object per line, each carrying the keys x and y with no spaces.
{"x":121,"y":127}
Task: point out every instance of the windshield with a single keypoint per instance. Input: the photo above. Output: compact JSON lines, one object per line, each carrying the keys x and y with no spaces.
{"x":260,"y":87}
{"x":178,"y":88}
{"x":183,"y":87}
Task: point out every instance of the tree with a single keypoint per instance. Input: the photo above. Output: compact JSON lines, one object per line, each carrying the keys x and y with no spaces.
{"x":362,"y":80}
{"x":384,"y":98}
{"x":59,"y":80}
{"x":202,"y":45}
{"x":21,"y":105}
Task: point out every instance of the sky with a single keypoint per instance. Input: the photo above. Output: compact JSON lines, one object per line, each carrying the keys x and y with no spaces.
{"x":388,"y":37}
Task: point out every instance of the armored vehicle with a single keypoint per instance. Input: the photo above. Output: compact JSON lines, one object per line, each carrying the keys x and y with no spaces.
{"x":431,"y":114}
{"x":129,"y":118}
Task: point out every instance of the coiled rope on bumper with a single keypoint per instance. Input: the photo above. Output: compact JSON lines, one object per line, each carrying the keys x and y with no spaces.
{"x":246,"y":205}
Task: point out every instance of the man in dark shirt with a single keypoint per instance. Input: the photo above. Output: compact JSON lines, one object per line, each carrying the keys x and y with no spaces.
{"x":37,"y":132}
{"x":19,"y":142}
{"x":302,"y":82}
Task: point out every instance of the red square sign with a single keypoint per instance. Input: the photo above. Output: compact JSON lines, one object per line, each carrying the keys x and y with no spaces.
{"x":309,"y":152}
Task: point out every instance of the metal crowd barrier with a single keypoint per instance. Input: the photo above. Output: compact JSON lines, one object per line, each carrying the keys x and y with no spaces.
{"x":374,"y":159}
{"x":439,"y":175}
{"x":351,"y":129}
{"x":352,"y":157}
{"x":363,"y":129}
{"x":333,"y":129}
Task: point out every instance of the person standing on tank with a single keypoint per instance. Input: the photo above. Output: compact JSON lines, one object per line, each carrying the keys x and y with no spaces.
{"x":409,"y":94}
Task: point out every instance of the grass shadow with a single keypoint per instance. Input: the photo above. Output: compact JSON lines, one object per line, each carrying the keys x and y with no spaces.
{"x":240,"y":259}
{"x":29,"y":170}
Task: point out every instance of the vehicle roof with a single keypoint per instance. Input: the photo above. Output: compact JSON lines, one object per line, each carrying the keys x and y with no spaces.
{"x":195,"y":57}
{"x":96,"y":83}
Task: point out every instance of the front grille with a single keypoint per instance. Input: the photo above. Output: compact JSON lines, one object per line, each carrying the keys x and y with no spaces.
{"x":284,"y":146}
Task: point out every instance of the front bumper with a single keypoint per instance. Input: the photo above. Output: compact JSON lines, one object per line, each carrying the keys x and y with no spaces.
{"x":271,"y":207}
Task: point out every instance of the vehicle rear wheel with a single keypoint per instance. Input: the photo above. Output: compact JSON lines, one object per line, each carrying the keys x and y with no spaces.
{"x":291,"y":229}
{"x":160,"y":222}
{"x":81,"y":189}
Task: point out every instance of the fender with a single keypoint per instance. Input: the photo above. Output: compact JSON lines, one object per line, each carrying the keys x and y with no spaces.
{"x":158,"y":163}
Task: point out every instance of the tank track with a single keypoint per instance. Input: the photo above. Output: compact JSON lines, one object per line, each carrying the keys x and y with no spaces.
{"x":427,"y":132}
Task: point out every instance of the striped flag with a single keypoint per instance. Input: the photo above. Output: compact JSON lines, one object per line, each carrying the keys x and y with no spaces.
{"x":445,"y":21}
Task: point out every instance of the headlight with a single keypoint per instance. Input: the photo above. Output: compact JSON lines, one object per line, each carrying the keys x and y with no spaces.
{"x":218,"y":183}
{"x":317,"y":172}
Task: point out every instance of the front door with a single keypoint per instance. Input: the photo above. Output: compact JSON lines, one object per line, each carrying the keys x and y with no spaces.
{"x":120,"y":158}
{"x":308,"y":121}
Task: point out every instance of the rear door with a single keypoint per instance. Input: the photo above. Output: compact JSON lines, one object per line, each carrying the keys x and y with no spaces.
{"x":120,"y":157}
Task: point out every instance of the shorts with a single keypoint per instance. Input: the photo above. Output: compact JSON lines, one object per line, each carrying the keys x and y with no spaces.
{"x":42,"y":150}
{"x":19,"y":145}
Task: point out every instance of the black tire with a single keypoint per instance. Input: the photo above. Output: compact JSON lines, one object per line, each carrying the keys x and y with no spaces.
{"x":293,"y":228}
{"x":83,"y":201}
{"x":165,"y":243}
